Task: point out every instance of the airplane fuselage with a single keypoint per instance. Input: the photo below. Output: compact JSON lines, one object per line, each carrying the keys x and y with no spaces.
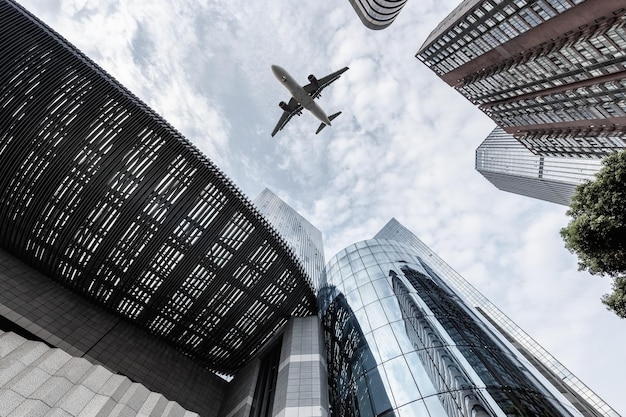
{"x":299,"y":94}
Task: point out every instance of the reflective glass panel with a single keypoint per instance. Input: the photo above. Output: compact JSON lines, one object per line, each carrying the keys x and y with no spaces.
{"x":387,"y":344}
{"x":401,"y":381}
{"x":376,"y":315}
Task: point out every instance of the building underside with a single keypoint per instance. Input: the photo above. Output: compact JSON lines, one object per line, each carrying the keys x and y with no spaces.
{"x":101,"y":195}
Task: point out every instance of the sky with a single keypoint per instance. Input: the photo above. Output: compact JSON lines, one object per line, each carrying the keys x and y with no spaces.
{"x":403,"y":146}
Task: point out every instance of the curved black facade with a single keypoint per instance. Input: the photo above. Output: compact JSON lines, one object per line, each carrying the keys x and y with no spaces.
{"x":99,"y":193}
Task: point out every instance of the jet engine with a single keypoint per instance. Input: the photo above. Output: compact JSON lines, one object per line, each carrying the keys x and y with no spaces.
{"x":283,"y":106}
{"x":312,"y":79}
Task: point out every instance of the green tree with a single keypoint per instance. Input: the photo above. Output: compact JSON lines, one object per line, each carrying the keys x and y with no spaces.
{"x":597,"y":231}
{"x":616,"y":301}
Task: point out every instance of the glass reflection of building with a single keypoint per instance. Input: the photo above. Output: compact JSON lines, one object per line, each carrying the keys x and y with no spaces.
{"x":355,"y":385}
{"x":511,"y":167}
{"x":457,"y":393}
{"x":389,"y":310}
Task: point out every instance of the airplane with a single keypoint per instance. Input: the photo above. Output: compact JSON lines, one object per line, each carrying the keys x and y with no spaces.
{"x":304,"y":97}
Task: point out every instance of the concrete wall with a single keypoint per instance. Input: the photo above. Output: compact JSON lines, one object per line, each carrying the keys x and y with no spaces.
{"x":240,"y":393}
{"x":65,"y":320}
{"x":37,"y":380}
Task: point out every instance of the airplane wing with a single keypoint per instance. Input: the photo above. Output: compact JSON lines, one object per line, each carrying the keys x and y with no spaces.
{"x":315,"y":86}
{"x":294,"y":109}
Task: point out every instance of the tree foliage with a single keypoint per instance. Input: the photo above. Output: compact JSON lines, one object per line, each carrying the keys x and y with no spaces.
{"x":616,"y":301}
{"x":597,"y":231}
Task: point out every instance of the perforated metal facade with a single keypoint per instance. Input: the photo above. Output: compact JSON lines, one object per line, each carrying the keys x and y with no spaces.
{"x":99,"y":193}
{"x":551,"y":72}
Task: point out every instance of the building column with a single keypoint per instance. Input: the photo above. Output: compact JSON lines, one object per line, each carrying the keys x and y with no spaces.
{"x":302,"y":383}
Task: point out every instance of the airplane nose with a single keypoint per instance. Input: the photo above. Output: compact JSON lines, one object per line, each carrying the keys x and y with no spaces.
{"x":279,"y":73}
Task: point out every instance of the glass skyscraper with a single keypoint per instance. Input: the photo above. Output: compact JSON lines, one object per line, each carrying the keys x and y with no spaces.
{"x":407,"y":336}
{"x":304,"y":239}
{"x":511,"y":167}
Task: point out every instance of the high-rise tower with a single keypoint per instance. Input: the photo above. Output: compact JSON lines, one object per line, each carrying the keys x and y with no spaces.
{"x":302,"y":237}
{"x":406,"y":335}
{"x":511,"y":167}
{"x":550,"y":72}
{"x":377,"y":14}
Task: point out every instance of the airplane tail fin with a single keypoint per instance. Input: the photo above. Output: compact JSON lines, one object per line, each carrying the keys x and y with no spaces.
{"x":323,"y":125}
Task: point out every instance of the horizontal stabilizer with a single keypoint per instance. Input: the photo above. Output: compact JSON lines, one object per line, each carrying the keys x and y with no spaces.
{"x":323,"y":125}
{"x":333,"y":116}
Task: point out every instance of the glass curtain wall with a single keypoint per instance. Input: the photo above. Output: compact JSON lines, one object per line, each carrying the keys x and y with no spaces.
{"x":400,"y":342}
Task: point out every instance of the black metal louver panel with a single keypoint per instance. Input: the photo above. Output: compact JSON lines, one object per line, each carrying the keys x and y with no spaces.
{"x":99,"y":193}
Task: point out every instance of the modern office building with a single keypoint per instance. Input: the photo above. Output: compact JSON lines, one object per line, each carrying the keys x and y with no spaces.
{"x":511,"y":167}
{"x":550,"y":72}
{"x":406,"y":335}
{"x":304,"y":239}
{"x":377,"y":14}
